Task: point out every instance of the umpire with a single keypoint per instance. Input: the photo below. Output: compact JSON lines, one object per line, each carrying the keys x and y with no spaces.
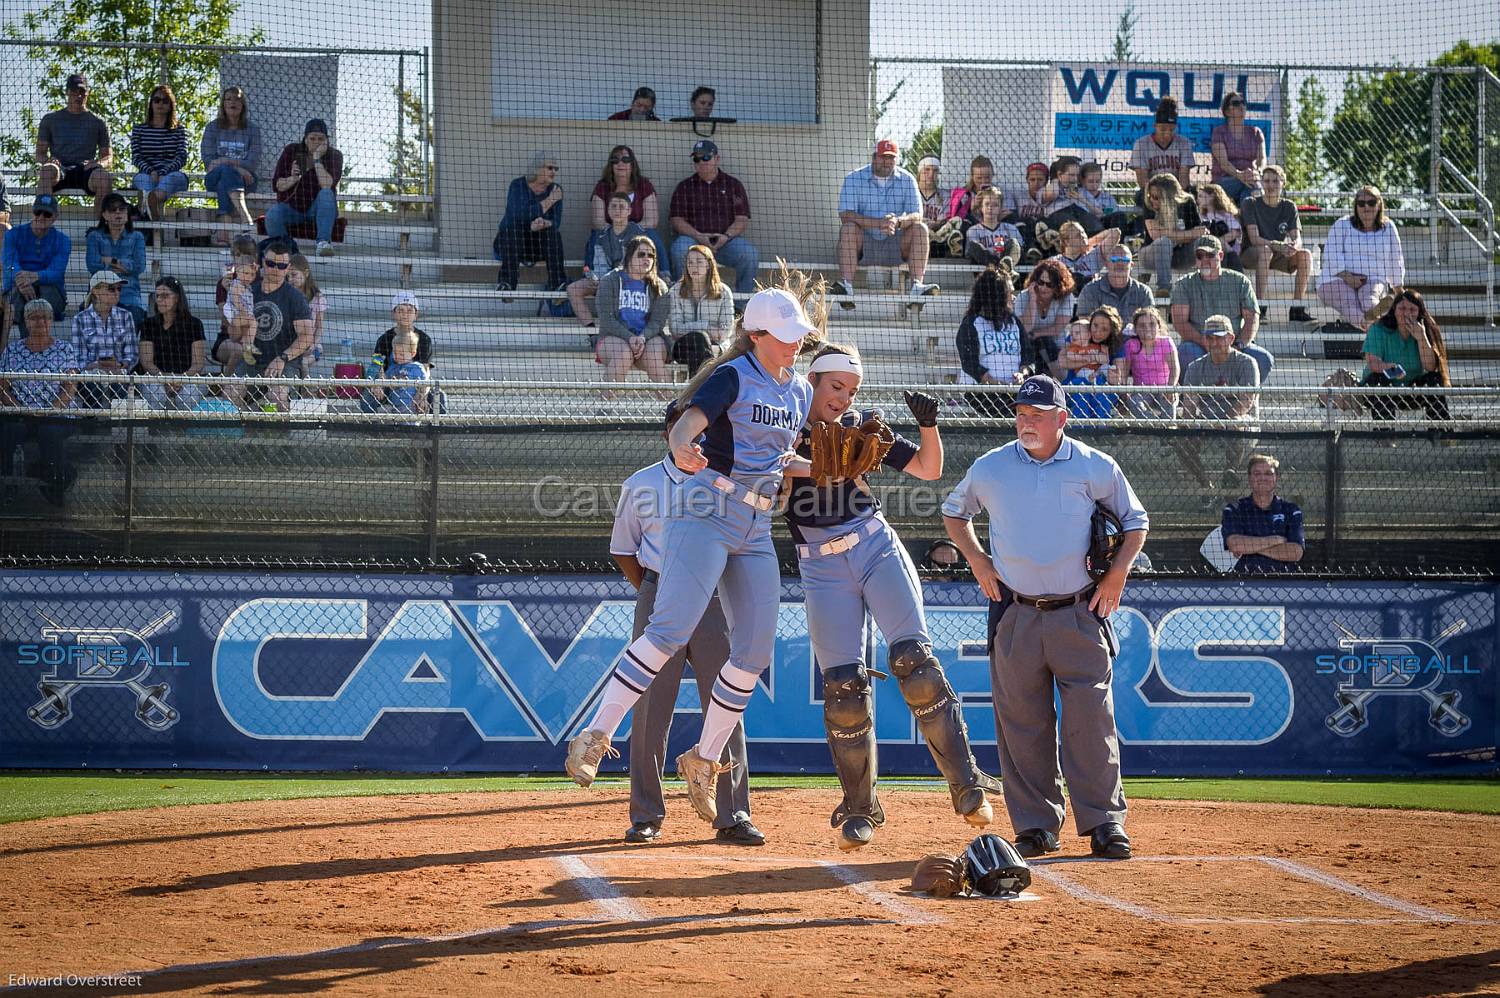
{"x":1049,"y":619}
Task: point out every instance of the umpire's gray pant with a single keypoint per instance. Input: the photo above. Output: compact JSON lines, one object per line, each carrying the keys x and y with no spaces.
{"x":1034,"y":651}
{"x":651,"y":721}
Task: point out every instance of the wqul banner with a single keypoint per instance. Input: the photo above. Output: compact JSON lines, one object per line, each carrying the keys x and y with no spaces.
{"x":432,"y":673}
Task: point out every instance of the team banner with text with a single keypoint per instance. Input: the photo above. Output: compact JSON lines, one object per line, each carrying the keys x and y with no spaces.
{"x":495,"y":673}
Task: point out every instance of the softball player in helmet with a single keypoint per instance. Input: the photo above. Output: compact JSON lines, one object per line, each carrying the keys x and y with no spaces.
{"x":851,"y":562}
{"x":741,"y":417}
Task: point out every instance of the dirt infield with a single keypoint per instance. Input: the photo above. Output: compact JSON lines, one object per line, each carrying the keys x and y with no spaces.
{"x":535,"y":893}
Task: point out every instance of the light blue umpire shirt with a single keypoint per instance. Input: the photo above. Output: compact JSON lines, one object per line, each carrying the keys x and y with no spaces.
{"x":864,"y":195}
{"x":1040,"y":511}
{"x":641,"y":515}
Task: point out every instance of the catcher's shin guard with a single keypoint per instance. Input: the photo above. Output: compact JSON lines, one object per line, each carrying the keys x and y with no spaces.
{"x":941,"y":719}
{"x":849,"y":718}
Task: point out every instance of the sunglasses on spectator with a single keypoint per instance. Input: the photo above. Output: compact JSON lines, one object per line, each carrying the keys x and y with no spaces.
{"x":701,"y":159}
{"x":1365,"y":203}
{"x":1119,"y":259}
{"x":1205,"y":254}
{"x":276,"y":266}
{"x":622,"y":158}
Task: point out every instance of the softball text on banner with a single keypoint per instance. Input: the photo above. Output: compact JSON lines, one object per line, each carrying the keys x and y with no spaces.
{"x":496,"y":673}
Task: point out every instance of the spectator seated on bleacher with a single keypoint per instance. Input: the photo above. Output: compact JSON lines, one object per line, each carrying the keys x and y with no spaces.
{"x":1212,"y":290}
{"x":237,"y":312}
{"x":172,"y":342}
{"x":72,"y":147}
{"x":1223,"y":365}
{"x":1092,"y":359}
{"x":1082,"y":254}
{"x":710,"y":208}
{"x":104,"y":339}
{"x":243,"y":247}
{"x":1363,"y":263}
{"x":993,"y":348}
{"x":114,"y":245}
{"x":633,"y":305}
{"x":1222,"y":219}
{"x":1046,"y":306}
{"x":934,"y":203}
{"x":1405,"y":348}
{"x":1273,"y":238}
{"x":1150,"y":359}
{"x":306,"y":181}
{"x":4,"y":208}
{"x":1239,"y":151}
{"x":1100,"y":202}
{"x":531,"y":229}
{"x":622,"y":175}
{"x":1063,"y":197}
{"x":300,"y":276}
{"x":230,"y":149}
{"x":1162,"y":151}
{"x":881,"y":215}
{"x":158,"y":148}
{"x":702,"y":102}
{"x":38,"y":352}
{"x":642,"y":107}
{"x":1028,"y":209}
{"x":33,"y":262}
{"x":990,"y":242}
{"x":1263,"y":529}
{"x":280,"y":327}
{"x":403,"y":367}
{"x":1115,"y":287}
{"x":1172,"y":227}
{"x":700,"y":318}
{"x":404,"y":309}
{"x":961,"y":200}
{"x":605,"y":251}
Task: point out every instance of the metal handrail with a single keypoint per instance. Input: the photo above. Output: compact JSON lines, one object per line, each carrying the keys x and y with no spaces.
{"x":1487,"y":212}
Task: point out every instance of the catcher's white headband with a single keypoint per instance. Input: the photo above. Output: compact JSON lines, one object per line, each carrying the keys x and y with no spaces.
{"x":843,"y":363}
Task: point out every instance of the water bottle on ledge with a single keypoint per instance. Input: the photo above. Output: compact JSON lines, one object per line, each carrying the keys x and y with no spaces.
{"x":346,"y":351}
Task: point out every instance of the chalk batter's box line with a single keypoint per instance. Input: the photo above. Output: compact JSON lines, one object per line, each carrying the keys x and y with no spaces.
{"x":596,"y":887}
{"x":1419,"y":914}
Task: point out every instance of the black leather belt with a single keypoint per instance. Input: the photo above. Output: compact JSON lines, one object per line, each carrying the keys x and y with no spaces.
{"x":1053,"y":602}
{"x":650,"y":575}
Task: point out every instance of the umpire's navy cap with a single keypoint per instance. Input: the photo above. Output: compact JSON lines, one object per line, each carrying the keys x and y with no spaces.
{"x":1041,"y":391}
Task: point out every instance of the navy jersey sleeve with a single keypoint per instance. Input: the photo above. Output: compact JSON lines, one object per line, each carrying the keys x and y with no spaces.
{"x":900,"y":454}
{"x":1230,"y":522}
{"x":718,"y":393}
{"x":1294,"y":533}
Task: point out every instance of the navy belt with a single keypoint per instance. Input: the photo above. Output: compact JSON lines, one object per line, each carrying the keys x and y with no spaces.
{"x":650,"y":575}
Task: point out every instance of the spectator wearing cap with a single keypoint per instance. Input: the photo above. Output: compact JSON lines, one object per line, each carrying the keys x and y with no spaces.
{"x":404,"y":310}
{"x":172,"y":342}
{"x":38,"y":352}
{"x":158,"y":147}
{"x":1212,"y":290}
{"x":72,"y":147}
{"x":1239,"y":150}
{"x":702,"y":102}
{"x":711,"y":208}
{"x":1162,"y":151}
{"x":104,"y":338}
{"x":1227,"y":367}
{"x":1364,"y":265}
{"x":531,"y":229}
{"x":1264,"y":529}
{"x":1273,"y":237}
{"x":114,"y":245}
{"x":1028,"y":209}
{"x":642,"y":107}
{"x":306,"y":181}
{"x":1115,"y":287}
{"x":34,"y":260}
{"x":881,"y":214}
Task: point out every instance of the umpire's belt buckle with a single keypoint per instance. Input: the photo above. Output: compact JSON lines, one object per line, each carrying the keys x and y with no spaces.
{"x":729,"y":486}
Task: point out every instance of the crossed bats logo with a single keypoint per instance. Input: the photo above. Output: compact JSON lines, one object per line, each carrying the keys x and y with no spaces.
{"x":1358,"y":691}
{"x":132,"y":672}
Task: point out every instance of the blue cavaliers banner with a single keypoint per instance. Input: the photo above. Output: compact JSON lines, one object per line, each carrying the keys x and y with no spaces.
{"x":434,"y":673}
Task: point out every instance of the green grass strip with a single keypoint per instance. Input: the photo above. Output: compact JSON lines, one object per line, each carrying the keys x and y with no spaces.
{"x":25,"y":796}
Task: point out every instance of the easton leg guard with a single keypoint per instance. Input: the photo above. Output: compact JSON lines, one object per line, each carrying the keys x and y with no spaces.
{"x":941,"y":719}
{"x":849,"y":718}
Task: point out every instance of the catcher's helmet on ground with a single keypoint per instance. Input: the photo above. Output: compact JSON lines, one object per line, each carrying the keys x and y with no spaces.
{"x":994,"y":867}
{"x":1106,"y":534}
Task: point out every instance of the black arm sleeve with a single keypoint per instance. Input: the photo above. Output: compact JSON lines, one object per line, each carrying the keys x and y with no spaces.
{"x":968,"y":350}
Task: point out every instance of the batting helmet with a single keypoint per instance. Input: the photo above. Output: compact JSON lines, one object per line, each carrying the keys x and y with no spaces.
{"x":994,"y":867}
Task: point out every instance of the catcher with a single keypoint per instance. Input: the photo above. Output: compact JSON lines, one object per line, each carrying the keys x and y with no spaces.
{"x":851,"y":562}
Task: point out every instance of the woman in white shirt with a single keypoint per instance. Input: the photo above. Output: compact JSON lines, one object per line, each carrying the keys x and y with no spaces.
{"x":1363,"y":265}
{"x":701,"y":319}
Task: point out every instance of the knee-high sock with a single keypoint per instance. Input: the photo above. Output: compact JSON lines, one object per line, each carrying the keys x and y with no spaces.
{"x":732,"y":692}
{"x":634,"y":672}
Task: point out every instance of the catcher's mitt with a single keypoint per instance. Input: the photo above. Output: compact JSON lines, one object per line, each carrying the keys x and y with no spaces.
{"x":840,"y":451}
{"x":938,"y":875}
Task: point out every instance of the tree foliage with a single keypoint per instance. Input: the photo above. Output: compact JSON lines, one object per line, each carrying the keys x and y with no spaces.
{"x":405,"y":153}
{"x":121,"y":78}
{"x":1306,"y":168}
{"x":1381,"y":133}
{"x":927,"y":141}
{"x":1123,"y":49}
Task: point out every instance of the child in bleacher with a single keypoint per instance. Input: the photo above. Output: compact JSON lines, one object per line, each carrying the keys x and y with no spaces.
{"x":1222,"y":218}
{"x":1100,"y":202}
{"x":300,"y":277}
{"x":404,"y":367}
{"x":1083,"y":255}
{"x":404,"y":309}
{"x":1082,"y":357}
{"x":989,"y":241}
{"x":605,"y":252}
{"x":239,"y":306}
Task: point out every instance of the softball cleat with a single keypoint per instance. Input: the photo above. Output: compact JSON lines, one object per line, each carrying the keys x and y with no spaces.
{"x":584,"y":755}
